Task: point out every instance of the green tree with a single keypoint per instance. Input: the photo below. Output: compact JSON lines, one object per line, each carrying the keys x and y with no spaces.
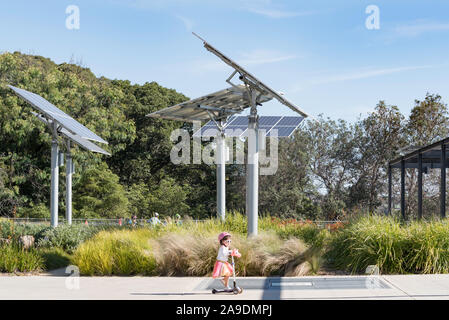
{"x":99,"y":194}
{"x":380,"y":136}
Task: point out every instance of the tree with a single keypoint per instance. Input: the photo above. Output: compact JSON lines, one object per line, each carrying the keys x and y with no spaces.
{"x":332,"y":151}
{"x":99,"y":194}
{"x":380,"y":136}
{"x":428,"y":122}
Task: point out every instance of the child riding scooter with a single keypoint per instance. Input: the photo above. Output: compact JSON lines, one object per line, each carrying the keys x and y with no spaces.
{"x":222,"y":267}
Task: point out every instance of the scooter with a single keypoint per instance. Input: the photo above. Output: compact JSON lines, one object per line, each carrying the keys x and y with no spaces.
{"x":236,"y":289}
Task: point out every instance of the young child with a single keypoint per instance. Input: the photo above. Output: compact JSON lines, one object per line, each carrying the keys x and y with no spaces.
{"x":222,"y":267}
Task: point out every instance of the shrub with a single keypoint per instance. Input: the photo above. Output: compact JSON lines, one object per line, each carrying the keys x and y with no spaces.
{"x":6,"y":229}
{"x":417,"y":247}
{"x":16,"y":259}
{"x":65,"y":236}
{"x":120,"y":252}
{"x":54,"y":258}
{"x":290,"y":260}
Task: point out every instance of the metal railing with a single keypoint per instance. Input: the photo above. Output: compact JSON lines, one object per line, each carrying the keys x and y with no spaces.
{"x":140,"y":222}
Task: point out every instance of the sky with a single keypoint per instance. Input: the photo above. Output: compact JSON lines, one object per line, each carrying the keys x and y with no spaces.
{"x":336,"y":58}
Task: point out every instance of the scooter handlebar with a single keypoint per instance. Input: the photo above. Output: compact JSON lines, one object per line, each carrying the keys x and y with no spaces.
{"x":235,"y":253}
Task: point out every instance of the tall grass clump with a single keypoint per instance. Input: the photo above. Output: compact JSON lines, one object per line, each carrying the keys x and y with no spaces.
{"x":14,"y":258}
{"x":119,"y":252}
{"x":395,"y":247}
{"x":428,"y":247}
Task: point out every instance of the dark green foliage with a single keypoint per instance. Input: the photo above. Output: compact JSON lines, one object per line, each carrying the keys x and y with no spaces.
{"x":99,"y":194}
{"x":54,"y":258}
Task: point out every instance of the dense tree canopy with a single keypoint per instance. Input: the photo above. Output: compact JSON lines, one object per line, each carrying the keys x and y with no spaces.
{"x":329,"y":168}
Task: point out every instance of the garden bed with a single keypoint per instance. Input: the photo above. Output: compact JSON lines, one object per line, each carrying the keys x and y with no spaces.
{"x":283,"y":248}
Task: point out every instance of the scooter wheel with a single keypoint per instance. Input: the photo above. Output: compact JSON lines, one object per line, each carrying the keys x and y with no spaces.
{"x":236,"y":291}
{"x":214,"y":291}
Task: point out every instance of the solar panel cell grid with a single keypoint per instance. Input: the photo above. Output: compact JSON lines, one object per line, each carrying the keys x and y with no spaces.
{"x":268,"y":120}
{"x":290,"y":121}
{"x":282,"y":131}
{"x":240,"y":121}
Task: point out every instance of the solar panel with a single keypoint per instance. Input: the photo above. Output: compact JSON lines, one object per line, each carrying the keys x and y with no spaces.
{"x":269,"y":120}
{"x":85,"y":144}
{"x":57,"y":115}
{"x":285,"y":126}
{"x":266,"y":128}
{"x":257,"y":83}
{"x":235,"y":131}
{"x":290,"y":121}
{"x":282,"y":132}
{"x":240,"y":121}
{"x":220,"y":105}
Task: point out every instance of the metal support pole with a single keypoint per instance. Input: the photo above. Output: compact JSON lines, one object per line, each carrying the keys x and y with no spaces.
{"x":443,"y":182}
{"x":221,"y":176}
{"x":68,"y":179}
{"x":54,"y":181}
{"x":403,"y":188}
{"x":253,"y":169}
{"x":389,"y":190}
{"x":419,"y":186}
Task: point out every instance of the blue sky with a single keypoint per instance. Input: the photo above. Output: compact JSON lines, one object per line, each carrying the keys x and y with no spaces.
{"x":319,"y":53}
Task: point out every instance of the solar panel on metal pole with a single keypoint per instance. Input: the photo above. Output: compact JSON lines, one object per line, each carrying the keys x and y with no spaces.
{"x":218,"y":107}
{"x":255,"y":88}
{"x":223,"y":105}
{"x":61,"y":125}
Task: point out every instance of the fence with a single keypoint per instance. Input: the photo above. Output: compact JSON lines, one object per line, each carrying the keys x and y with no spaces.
{"x":116,"y":222}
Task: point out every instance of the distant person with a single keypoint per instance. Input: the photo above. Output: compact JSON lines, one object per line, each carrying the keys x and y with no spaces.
{"x":134,"y":221}
{"x":155,"y":219}
{"x":178,"y":220}
{"x":120,"y":222}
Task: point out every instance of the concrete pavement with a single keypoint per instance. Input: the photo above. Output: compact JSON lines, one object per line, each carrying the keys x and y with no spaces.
{"x":255,"y":288}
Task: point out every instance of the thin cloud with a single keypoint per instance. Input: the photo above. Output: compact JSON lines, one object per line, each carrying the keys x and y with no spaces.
{"x":366,"y":74}
{"x":188,"y":23}
{"x":420,"y":27}
{"x":256,"y":57}
{"x":279,"y":14}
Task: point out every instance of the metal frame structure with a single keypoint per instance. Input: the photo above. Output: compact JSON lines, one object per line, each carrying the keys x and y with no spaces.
{"x":65,"y":131}
{"x":255,"y":89}
{"x":252,"y":93}
{"x":433,"y":156}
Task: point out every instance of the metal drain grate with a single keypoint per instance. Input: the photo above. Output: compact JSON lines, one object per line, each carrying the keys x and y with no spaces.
{"x":299,"y":284}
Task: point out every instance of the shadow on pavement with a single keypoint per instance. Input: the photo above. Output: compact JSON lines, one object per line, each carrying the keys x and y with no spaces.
{"x":269,"y":292}
{"x":169,"y":293}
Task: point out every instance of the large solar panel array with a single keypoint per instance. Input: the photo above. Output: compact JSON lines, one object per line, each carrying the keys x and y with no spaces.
{"x":57,"y":115}
{"x":238,"y":126}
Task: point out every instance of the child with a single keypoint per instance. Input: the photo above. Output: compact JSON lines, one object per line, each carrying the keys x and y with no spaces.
{"x":222,"y":267}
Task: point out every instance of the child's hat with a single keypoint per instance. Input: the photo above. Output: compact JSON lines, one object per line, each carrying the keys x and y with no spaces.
{"x":222,"y":235}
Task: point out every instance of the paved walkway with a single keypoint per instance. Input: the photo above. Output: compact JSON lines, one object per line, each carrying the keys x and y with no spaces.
{"x":257,"y":288}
